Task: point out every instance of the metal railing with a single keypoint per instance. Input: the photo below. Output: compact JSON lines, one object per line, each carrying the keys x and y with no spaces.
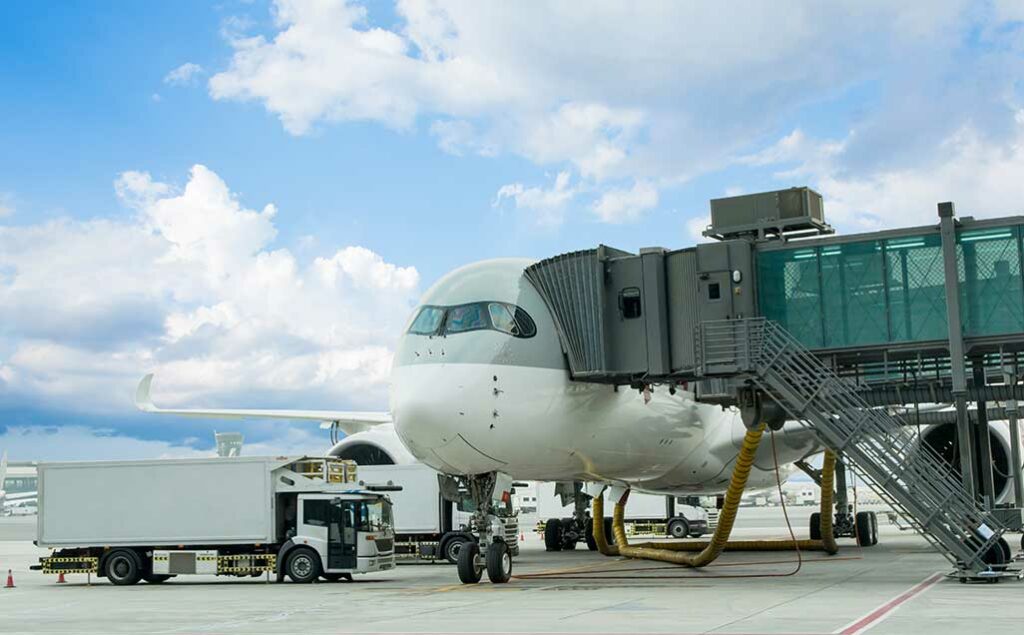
{"x":909,"y":475}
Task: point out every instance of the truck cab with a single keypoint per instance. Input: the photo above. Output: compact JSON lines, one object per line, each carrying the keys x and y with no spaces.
{"x":350,"y":533}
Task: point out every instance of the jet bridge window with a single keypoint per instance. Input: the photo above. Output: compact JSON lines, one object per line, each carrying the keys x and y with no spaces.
{"x":629,"y":302}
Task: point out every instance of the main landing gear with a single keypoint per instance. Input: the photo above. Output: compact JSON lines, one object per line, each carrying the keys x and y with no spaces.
{"x":562,"y":534}
{"x":490,"y":553}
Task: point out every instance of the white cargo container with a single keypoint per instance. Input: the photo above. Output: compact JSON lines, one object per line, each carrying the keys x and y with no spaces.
{"x":426,"y":525}
{"x":304,"y":517}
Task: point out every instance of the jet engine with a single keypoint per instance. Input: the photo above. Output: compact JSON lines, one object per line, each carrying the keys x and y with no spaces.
{"x":379,"y":445}
{"x":942,"y":438}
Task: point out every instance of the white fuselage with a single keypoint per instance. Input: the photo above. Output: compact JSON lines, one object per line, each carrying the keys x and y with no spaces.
{"x":483,"y":400}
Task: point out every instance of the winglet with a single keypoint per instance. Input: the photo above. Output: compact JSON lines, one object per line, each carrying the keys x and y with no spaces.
{"x":143,"y":400}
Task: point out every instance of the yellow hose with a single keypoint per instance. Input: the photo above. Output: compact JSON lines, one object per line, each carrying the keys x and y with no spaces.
{"x":673,"y":552}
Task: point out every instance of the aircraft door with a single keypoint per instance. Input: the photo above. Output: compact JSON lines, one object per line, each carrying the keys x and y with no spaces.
{"x":341,"y":535}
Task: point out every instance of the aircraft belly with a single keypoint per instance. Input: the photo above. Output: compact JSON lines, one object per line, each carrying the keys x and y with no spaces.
{"x":536,"y":424}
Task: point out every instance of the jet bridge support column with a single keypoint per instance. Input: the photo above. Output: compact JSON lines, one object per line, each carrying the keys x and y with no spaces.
{"x":958,"y":370}
{"x":982,"y":439}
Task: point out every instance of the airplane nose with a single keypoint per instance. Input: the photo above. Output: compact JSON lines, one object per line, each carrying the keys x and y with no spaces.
{"x":425,"y":409}
{"x":443,"y":416}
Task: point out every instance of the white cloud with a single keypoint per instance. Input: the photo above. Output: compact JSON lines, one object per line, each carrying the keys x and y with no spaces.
{"x":623,"y":206}
{"x":981,"y":174}
{"x":547,"y":206}
{"x":6,"y":204}
{"x":192,"y":288}
{"x":183,"y":75}
{"x":695,"y":228}
{"x":619,"y":93}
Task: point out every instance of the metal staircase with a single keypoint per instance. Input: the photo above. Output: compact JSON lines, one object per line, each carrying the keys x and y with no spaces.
{"x":908,"y":475}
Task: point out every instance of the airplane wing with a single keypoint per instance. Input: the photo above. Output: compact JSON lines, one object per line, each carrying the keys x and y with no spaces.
{"x":349,"y":422}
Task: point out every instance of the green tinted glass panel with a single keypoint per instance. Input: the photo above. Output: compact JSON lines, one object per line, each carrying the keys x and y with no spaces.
{"x":853,"y":294}
{"x":789,"y":292}
{"x":917,"y":292}
{"x":991,"y":300}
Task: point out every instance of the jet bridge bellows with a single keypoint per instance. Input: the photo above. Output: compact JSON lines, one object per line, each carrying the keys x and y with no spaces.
{"x":823,"y":329}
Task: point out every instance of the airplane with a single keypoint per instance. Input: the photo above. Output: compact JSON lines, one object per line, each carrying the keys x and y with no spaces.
{"x":10,"y":502}
{"x":481,"y":392}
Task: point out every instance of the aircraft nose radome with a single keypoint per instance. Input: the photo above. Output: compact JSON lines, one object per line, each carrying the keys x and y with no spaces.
{"x":422,"y":416}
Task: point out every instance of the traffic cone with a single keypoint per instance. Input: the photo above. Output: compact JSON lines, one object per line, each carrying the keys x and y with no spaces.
{"x":60,"y":578}
{"x":10,"y":580}
{"x":522,"y":537}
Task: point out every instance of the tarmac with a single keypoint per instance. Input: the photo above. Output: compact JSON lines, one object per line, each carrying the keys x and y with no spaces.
{"x":897,"y":586}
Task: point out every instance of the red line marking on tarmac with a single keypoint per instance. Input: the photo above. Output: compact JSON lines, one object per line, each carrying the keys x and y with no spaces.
{"x":876,"y":616}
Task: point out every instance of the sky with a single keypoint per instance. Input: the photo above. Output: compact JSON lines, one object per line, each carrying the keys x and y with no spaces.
{"x":247,"y":198}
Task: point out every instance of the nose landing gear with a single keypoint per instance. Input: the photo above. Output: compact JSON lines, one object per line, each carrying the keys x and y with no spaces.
{"x":490,"y":553}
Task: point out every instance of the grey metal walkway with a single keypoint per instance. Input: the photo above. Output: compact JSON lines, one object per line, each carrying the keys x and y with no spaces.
{"x":908,"y":475}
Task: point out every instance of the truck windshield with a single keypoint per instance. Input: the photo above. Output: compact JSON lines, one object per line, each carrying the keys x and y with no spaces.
{"x":376,"y":516}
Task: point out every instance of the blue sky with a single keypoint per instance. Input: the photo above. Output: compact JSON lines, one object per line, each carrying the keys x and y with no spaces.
{"x":143,"y":144}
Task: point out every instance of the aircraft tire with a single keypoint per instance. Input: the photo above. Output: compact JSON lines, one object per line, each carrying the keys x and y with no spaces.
{"x":553,"y":535}
{"x":815,"y":526}
{"x":469,"y":571}
{"x":499,"y":563}
{"x":865,"y":535}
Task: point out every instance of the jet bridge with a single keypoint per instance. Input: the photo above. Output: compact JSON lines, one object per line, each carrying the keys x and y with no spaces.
{"x":787,"y":321}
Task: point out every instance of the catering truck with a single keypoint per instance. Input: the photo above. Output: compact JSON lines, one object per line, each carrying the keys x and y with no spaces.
{"x":428,"y":526}
{"x":300,"y":517}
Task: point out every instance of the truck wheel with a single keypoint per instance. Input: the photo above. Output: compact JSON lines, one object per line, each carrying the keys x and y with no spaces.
{"x":155,"y":578}
{"x":123,"y":568}
{"x":553,"y":535}
{"x":303,"y":565}
{"x":678,"y":528}
{"x":499,"y":563}
{"x":334,"y":577}
{"x":469,"y":570}
{"x":451,"y":547}
{"x":874,"y":528}
{"x":816,"y":526}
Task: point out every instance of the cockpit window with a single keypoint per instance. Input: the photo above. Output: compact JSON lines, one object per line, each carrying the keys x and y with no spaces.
{"x":468,"y":317}
{"x":474,"y":316}
{"x":428,"y":321}
{"x":501,"y":318}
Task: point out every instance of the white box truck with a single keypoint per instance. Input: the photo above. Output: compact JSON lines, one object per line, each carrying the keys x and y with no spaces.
{"x":427,"y":526}
{"x":304,"y":517}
